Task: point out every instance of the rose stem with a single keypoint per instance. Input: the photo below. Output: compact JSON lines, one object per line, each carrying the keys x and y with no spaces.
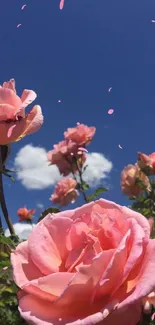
{"x":2,"y":198}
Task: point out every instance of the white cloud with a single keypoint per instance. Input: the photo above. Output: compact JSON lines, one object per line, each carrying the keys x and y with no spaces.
{"x":40,"y":206}
{"x":34,"y":172}
{"x":33,"y":169}
{"x":22,"y":230}
{"x":98,"y":168}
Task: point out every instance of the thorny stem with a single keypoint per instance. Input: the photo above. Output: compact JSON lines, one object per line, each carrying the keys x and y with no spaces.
{"x":31,"y":223}
{"x":81,"y":181}
{"x":2,"y":198}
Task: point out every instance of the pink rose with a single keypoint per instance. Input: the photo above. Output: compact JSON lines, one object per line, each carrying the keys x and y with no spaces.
{"x":65,"y":192}
{"x":14,"y":124}
{"x":81,"y":134}
{"x":147,"y":161}
{"x":130,"y":176}
{"x":25,"y":214}
{"x":64,"y":155}
{"x":152,"y":157}
{"x":91,"y":265}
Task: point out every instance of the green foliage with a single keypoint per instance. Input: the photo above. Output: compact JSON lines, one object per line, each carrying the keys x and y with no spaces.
{"x":9,"y":314}
{"x":96,"y":193}
{"x":47,"y":211}
{"x":84,"y":186}
{"x":144,"y":205}
{"x":146,"y":320}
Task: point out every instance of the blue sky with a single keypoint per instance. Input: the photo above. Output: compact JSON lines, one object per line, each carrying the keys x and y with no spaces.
{"x":75,"y":55}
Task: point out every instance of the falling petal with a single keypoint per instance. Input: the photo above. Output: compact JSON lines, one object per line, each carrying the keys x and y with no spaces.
{"x":78,"y":123}
{"x":153,"y":20}
{"x":22,"y":8}
{"x":72,"y":154}
{"x":19,"y":25}
{"x":10,"y":130}
{"x":59,"y":101}
{"x":153,"y":317}
{"x":61,"y":5}
{"x":120,"y":146}
{"x":82,"y":149}
{"x":109,"y":90}
{"x":5,"y":268}
{"x":111,"y":111}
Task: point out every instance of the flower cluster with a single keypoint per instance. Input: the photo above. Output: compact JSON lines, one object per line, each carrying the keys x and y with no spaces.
{"x":135,"y":178}
{"x":69,"y":156}
{"x":66,"y":154}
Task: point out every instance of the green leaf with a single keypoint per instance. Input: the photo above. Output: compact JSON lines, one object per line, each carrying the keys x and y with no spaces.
{"x":6,"y":241}
{"x":100,"y":190}
{"x":47,"y":211}
{"x":6,"y":174}
{"x":96,"y":193}
{"x":85,"y":186}
{"x":84,"y":168}
{"x":10,"y":170}
{"x":4,"y":255}
{"x":4,"y":263}
{"x":132,"y":198}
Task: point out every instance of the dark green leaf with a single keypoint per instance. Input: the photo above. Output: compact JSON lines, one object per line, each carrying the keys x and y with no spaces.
{"x":84,"y":168}
{"x":90,"y":197}
{"x":100,"y":190}
{"x":4,"y":263}
{"x":47,"y":211}
{"x":132,"y":198}
{"x":96,"y":193}
{"x":10,"y":170}
{"x":7,"y":241}
{"x":85,"y":186}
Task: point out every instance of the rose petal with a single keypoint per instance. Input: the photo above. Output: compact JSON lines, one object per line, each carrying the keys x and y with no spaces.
{"x":146,"y":279}
{"x":114,"y":269}
{"x":51,"y":286}
{"x":28,"y":96}
{"x":10,"y":130}
{"x":126,"y":316}
{"x":116,"y":211}
{"x":61,"y":5}
{"x":43,"y":250}
{"x":25,"y":126}
{"x":10,"y":84}
{"x":33,"y":309}
{"x":58,"y":228}
{"x":7,"y":112}
{"x":136,"y":254}
{"x":111,"y":111}
{"x":8,"y":96}
{"x":33,"y":121}
{"x":24,"y":269}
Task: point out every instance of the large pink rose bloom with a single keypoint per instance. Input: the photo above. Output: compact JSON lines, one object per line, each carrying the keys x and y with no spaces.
{"x":64,"y":156}
{"x":91,"y":265}
{"x":81,"y":134}
{"x":14,"y":124}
